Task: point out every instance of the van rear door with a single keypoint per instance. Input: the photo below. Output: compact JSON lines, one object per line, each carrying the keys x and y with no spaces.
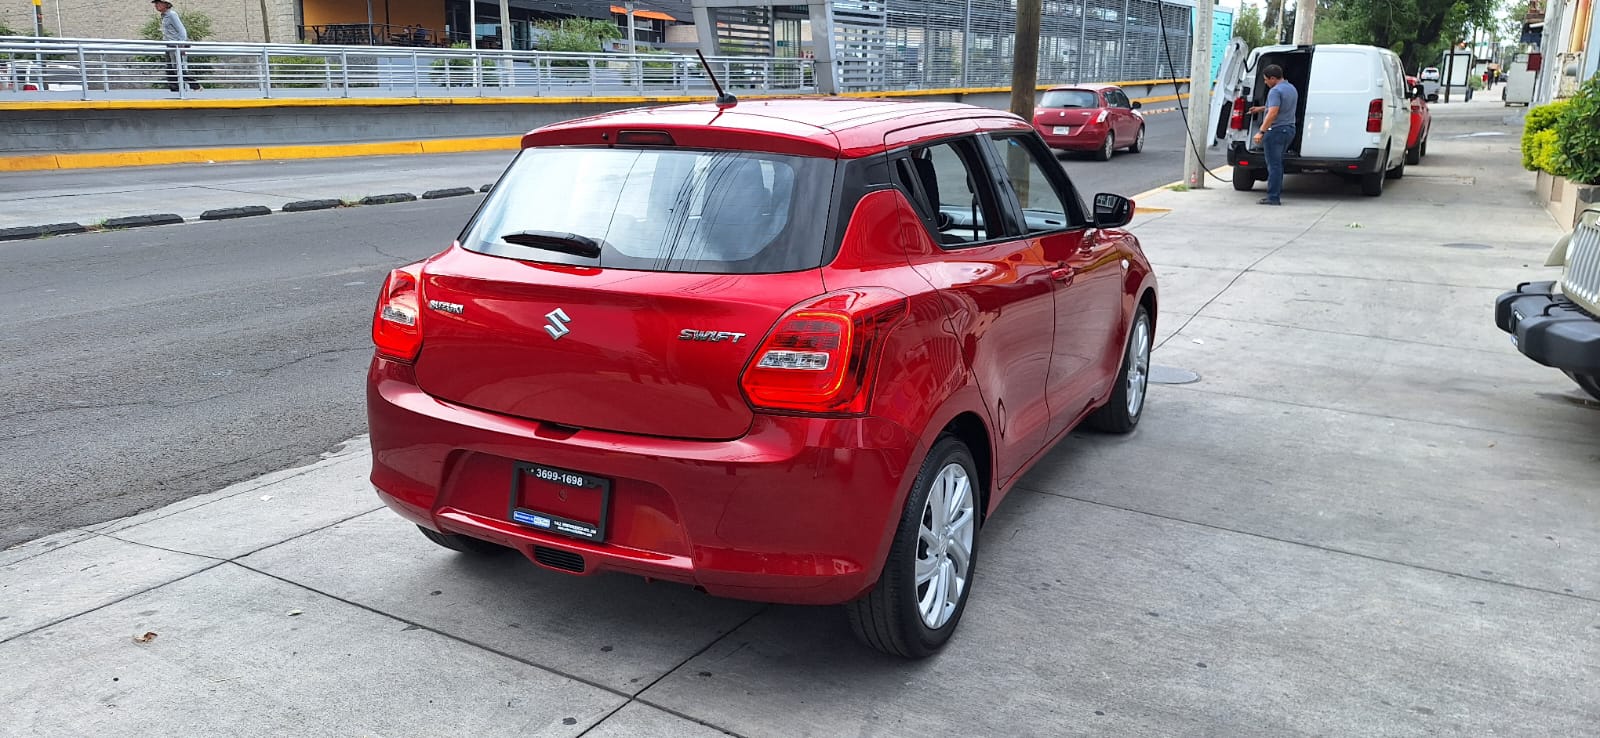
{"x":1344,"y":82}
{"x":1230,"y":81}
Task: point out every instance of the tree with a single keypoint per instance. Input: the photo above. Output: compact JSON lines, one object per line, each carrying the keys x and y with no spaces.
{"x":1417,"y":30}
{"x":583,"y":35}
{"x":1249,"y":27}
{"x":198,"y":25}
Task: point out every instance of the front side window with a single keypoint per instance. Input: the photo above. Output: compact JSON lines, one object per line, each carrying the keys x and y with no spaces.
{"x":1044,"y":206}
{"x":715,"y":212}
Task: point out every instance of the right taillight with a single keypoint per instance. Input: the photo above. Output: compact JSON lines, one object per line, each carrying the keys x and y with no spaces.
{"x":1375,"y":116}
{"x":1236,"y":121}
{"x":396,"y":330}
{"x":821,"y":356}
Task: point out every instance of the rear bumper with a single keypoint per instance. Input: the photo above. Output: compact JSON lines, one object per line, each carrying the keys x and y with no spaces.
{"x":1089,"y":137}
{"x":1549,"y":329}
{"x":1368,"y":163}
{"x":799,"y":510}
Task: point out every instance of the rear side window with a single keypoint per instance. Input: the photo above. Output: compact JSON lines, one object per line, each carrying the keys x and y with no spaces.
{"x":713,"y":212}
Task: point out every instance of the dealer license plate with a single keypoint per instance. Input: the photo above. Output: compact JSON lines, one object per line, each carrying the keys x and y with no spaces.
{"x":560,"y":501}
{"x":1062,"y":130}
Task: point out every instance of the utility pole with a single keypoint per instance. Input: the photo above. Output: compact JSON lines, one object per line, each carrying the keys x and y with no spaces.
{"x":38,"y":20}
{"x":633,"y":46}
{"x":1305,"y":21}
{"x":1194,"y":165}
{"x":505,"y":24}
{"x":1025,"y":63}
{"x":1277,"y":31}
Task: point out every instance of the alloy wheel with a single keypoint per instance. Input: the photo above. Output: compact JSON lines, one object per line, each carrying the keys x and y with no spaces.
{"x":1138,"y":366}
{"x":944,"y":545}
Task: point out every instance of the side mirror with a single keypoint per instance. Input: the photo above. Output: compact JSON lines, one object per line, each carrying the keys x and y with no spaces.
{"x":1417,"y":92}
{"x":1112,"y":211}
{"x":1137,"y":105}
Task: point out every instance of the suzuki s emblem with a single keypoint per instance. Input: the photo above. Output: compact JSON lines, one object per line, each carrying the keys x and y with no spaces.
{"x":558,"y":323}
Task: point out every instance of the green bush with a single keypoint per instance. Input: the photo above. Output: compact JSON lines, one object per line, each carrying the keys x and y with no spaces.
{"x":457,"y":72}
{"x":580,"y":35}
{"x":1576,"y":147}
{"x":1541,"y":118}
{"x":302,"y":71}
{"x":1545,"y":150}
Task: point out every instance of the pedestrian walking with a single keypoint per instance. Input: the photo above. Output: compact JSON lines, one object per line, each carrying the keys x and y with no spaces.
{"x":1277,"y":128}
{"x":173,"y":32}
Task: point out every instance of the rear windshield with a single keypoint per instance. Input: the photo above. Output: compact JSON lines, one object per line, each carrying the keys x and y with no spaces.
{"x":714,"y":212}
{"x":1069,"y":99}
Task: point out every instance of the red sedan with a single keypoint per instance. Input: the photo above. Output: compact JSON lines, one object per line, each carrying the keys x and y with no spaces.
{"x":791,"y":351}
{"x":1421,"y":121}
{"x":1094,"y":118}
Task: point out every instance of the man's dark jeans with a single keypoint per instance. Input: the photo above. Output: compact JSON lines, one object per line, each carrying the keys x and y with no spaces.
{"x":172,"y":73}
{"x":1275,"y":142}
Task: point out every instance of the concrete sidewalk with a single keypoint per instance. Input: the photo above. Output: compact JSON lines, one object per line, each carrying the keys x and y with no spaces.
{"x":1370,"y":516}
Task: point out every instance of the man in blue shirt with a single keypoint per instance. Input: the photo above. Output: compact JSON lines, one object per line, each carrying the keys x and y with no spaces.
{"x":1277,"y":128}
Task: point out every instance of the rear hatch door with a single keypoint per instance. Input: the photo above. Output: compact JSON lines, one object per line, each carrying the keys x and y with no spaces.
{"x":624,"y":289}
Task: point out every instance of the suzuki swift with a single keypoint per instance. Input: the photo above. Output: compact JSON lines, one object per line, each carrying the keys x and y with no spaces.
{"x":790,"y":351}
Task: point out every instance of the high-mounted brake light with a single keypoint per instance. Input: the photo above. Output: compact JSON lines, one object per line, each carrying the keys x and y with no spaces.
{"x":395,"y":327}
{"x":1375,"y":116}
{"x":1236,"y":121}
{"x":822,"y":355}
{"x":644,"y":138}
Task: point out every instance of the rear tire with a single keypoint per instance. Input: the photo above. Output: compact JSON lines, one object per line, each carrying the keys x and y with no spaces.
{"x":463,"y":544}
{"x":893,"y":616}
{"x":1589,"y":382}
{"x":1244,"y":179}
{"x":1121,"y":413}
{"x":1108,"y":148}
{"x":1422,"y":146}
{"x":1372,"y":182}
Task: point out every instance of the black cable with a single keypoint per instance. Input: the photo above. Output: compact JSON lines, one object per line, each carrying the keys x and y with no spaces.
{"x":1161,"y":20}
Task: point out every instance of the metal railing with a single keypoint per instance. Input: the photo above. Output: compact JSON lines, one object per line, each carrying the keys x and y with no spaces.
{"x":91,"y":69}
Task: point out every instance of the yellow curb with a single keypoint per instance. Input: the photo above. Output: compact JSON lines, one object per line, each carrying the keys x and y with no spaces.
{"x":199,"y":156}
{"x":1150,"y":210}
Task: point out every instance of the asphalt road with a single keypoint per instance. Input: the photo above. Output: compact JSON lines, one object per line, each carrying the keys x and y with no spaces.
{"x":141,"y":367}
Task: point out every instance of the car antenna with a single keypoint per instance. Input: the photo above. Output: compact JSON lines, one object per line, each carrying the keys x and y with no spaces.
{"x":724,"y":100}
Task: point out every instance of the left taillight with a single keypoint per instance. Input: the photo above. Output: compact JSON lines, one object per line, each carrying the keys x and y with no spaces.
{"x":1101,"y":118}
{"x":821,"y":356}
{"x":396,"y":325}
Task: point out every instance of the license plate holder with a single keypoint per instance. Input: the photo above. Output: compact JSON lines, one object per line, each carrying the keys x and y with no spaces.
{"x":1062,"y":131}
{"x":560,"y":501}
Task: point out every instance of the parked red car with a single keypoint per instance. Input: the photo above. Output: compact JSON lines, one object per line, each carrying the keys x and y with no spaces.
{"x":1421,"y":121}
{"x":791,"y":351}
{"x":1096,"y":118}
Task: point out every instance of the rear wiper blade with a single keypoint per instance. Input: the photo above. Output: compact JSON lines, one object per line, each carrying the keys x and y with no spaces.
{"x":566,"y":243}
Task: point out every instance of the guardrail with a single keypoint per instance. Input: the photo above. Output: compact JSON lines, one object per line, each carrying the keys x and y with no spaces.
{"x":90,"y":69}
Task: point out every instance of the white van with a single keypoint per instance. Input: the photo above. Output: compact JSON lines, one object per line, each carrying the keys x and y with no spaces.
{"x":1354,"y":116}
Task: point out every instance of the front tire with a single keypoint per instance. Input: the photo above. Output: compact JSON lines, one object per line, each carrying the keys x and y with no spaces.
{"x":1138,"y":142}
{"x":918,"y":600}
{"x":1589,"y":382}
{"x":1397,"y":172}
{"x":463,"y":544}
{"x":1121,"y":413}
{"x":1243,"y":179}
{"x":1414,"y":156}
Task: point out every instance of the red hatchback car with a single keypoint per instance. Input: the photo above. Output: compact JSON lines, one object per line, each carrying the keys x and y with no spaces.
{"x":1421,"y":122}
{"x":1095,"y":118}
{"x":789,"y":350}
